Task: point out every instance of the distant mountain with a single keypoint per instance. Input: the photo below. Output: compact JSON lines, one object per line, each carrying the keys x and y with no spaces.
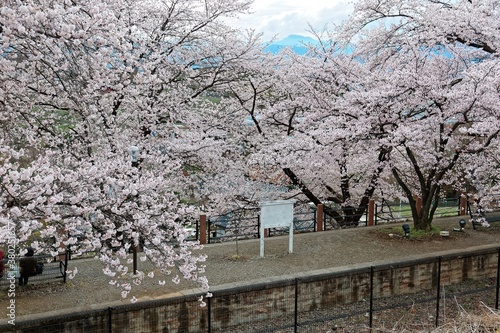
{"x":296,"y":42}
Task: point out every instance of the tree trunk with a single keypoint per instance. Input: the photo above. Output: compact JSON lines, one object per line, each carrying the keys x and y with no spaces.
{"x":345,"y":215}
{"x":422,"y":223}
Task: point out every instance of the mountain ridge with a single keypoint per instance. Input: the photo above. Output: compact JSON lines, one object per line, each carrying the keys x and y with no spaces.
{"x":297,"y":43}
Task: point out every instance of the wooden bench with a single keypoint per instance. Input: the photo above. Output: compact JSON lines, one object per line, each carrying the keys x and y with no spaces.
{"x":48,"y":271}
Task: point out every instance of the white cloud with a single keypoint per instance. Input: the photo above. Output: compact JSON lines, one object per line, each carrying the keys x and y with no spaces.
{"x":287,"y":17}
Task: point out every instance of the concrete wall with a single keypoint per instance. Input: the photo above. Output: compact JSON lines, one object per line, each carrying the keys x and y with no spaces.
{"x":236,"y":307}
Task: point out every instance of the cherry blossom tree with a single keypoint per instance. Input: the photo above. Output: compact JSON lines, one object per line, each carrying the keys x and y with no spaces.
{"x":417,"y":98}
{"x":342,"y":159}
{"x":90,"y":94}
{"x":482,"y":177}
{"x":434,"y":84}
{"x":285,"y":135}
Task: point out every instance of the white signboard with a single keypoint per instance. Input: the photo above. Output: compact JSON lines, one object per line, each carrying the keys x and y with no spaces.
{"x":276,"y":214}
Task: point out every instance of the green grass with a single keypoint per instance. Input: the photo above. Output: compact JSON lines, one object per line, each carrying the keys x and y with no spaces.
{"x":404,"y":211}
{"x":414,"y":234}
{"x":420,"y":234}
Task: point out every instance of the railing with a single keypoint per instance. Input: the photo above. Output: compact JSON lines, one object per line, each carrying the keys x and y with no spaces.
{"x":348,"y":218}
{"x":227,"y":227}
{"x":245,"y":224}
{"x":303,"y":221}
{"x":387,"y":212}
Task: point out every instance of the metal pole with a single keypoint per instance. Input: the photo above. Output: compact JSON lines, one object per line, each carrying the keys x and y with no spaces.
{"x":66,"y":258}
{"x":209,"y":232}
{"x":134,"y":257}
{"x":315,"y":222}
{"x":438,"y":294}
{"x":498,"y":280}
{"x":198,"y":230}
{"x":371,"y":297}
{"x":366,"y":216}
{"x":110,"y":320}
{"x":209,"y":310}
{"x":296,"y":312}
{"x":258,"y":226}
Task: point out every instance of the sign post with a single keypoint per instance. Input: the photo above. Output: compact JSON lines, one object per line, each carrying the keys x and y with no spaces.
{"x":275,"y":214}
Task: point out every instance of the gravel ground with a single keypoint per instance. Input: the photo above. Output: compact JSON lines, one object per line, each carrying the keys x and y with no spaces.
{"x":311,"y":251}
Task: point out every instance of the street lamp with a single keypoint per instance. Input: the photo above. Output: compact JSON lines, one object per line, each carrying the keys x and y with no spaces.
{"x":462,"y":224}
{"x":134,"y":156}
{"x":406,"y":230}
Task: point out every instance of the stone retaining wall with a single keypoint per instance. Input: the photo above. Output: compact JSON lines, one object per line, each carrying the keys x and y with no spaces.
{"x":238,"y":307}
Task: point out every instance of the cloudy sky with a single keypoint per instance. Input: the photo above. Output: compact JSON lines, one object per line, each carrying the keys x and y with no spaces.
{"x":286,"y":17}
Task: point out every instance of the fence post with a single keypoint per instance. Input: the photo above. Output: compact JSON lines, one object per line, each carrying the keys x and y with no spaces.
{"x":419,"y":205}
{"x":463,"y":204}
{"x":203,"y":229}
{"x":267,"y":232}
{"x":438,"y":294}
{"x":371,"y":212}
{"x":319,"y":218}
